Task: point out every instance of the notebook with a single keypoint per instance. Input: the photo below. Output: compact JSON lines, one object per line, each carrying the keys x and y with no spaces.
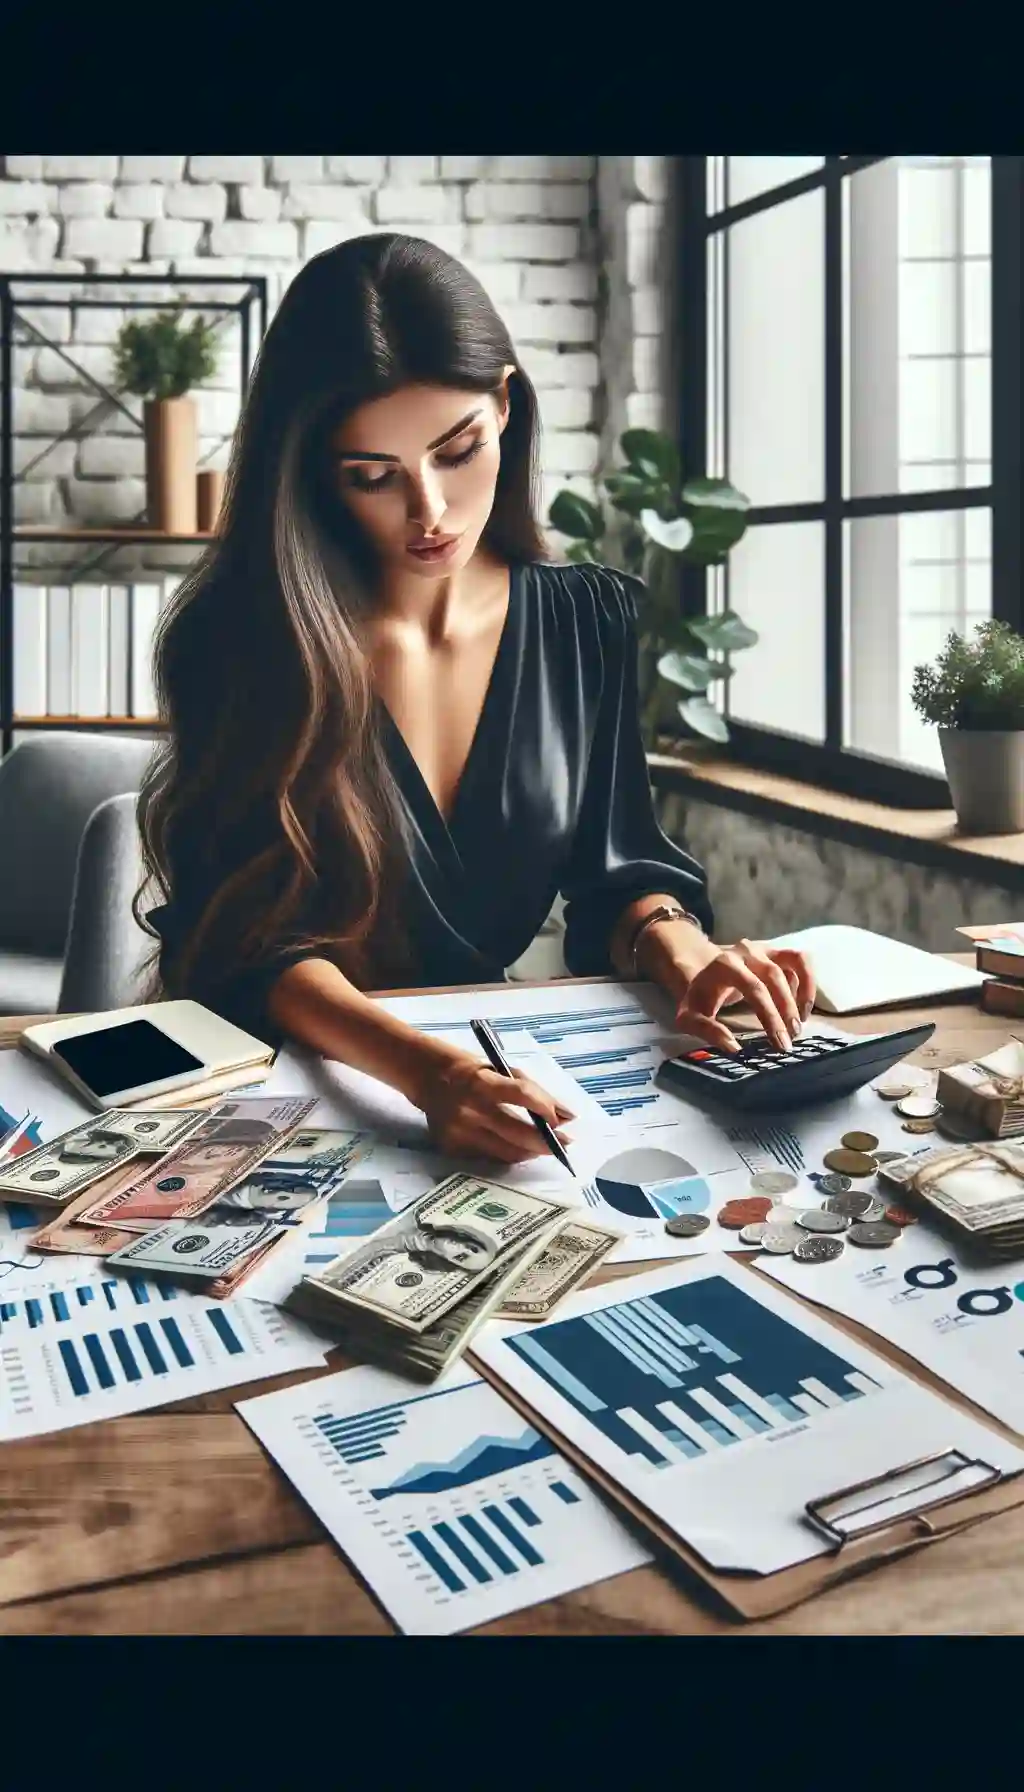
{"x":856,"y":969}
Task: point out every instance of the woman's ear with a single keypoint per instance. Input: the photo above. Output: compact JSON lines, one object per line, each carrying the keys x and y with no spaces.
{"x":503,"y":399}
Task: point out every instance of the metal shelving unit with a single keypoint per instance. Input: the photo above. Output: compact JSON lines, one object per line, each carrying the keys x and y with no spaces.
{"x":98,"y":542}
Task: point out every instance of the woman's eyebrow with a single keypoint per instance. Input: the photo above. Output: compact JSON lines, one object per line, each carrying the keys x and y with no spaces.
{"x":456,"y":430}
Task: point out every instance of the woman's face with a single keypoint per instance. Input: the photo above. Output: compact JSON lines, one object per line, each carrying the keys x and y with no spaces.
{"x":422,"y":463}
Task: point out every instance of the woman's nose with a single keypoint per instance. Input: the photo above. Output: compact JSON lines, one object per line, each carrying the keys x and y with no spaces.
{"x":426,"y":504}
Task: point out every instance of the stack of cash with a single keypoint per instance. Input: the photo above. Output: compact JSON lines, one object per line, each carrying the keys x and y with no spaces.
{"x":412,"y":1296}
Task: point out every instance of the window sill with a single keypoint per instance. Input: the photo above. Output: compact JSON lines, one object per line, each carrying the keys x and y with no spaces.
{"x":919,"y":836}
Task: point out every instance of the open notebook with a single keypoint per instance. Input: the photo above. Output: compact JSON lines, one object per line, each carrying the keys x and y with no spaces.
{"x":856,"y":969}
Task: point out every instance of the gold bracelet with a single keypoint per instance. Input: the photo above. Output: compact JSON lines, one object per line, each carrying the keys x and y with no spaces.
{"x":663,"y":913}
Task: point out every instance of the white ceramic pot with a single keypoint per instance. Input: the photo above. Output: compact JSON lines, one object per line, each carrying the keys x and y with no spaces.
{"x":985,"y":772}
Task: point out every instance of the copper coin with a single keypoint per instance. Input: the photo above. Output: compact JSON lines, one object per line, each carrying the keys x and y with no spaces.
{"x":859,"y":1141}
{"x":734,"y":1221}
{"x":849,"y":1163}
{"x":921,"y":1126}
{"x":900,"y":1216}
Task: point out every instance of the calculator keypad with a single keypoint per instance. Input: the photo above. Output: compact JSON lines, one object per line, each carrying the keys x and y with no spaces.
{"x":758,"y":1055}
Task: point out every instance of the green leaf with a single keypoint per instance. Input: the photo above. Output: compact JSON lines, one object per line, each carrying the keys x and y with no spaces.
{"x":714,"y":494}
{"x":714,"y":533}
{"x":726,"y":633}
{"x":651,"y":453}
{"x":673,"y":536}
{"x":687,"y":670}
{"x":703,"y":718}
{"x":631,"y":494}
{"x":573,"y":515}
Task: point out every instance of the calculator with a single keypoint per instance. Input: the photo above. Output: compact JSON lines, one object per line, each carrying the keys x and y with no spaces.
{"x":817,"y":1067}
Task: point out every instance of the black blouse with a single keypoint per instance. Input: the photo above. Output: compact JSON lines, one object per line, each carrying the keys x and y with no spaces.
{"x":554,"y":799}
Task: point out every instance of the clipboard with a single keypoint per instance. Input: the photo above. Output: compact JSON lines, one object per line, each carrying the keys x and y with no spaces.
{"x":949,"y":1500}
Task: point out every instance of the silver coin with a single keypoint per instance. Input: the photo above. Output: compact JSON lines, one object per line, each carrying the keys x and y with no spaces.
{"x":782,"y":1214}
{"x":854,"y":1202}
{"x":876,"y":1233}
{"x":773,"y":1182}
{"x":753,"y":1234}
{"x":875,"y":1211}
{"x":818,"y":1249}
{"x":780,"y":1240}
{"x":687,"y":1225}
{"x":887,"y":1157}
{"x":834,"y":1184}
{"x":814,"y":1221}
{"x":919,"y":1107}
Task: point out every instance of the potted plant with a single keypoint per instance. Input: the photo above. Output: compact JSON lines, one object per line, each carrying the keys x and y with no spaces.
{"x":974,"y":695}
{"x":160,"y":360}
{"x":666,"y":518}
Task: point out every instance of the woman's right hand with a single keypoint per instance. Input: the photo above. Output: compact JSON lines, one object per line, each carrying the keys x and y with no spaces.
{"x":467,"y":1109}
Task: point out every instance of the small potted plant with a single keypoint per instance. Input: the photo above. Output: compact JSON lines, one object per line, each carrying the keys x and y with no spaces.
{"x":974,"y":695}
{"x":161,"y":360}
{"x":665,"y":517}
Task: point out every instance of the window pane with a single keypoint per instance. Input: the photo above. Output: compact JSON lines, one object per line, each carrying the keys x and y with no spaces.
{"x":917,"y":304}
{"x":909,"y":581}
{"x":750,"y":175}
{"x":777,"y":585}
{"x":776,"y":335}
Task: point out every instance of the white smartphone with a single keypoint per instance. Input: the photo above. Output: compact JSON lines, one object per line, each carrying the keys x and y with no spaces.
{"x":120,"y":1065}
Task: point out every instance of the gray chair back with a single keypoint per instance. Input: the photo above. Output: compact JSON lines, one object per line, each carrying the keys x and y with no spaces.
{"x":106,"y":948}
{"x":49,"y":786}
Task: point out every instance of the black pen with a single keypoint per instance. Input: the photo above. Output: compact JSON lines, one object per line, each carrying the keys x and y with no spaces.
{"x":488,"y":1039}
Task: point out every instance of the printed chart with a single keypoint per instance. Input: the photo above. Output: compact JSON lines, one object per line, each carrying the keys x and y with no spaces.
{"x":721,"y":1408}
{"x":451,"y":1505}
{"x":965,"y":1323}
{"x":107,"y":1346}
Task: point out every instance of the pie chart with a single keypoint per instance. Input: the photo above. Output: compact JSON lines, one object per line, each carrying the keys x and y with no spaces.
{"x":649,"y":1184}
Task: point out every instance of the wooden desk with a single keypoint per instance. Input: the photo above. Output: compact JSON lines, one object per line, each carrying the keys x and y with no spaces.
{"x":175,"y":1522}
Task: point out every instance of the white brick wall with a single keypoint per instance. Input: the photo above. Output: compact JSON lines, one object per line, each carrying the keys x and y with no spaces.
{"x":535,"y":230}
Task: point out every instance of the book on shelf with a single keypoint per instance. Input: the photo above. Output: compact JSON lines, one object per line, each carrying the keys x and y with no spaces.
{"x":29,"y":649}
{"x":89,"y":655}
{"x":145,"y":611}
{"x":117,"y":650}
{"x":58,"y":652}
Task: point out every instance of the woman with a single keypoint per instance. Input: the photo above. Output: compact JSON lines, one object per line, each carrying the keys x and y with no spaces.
{"x":396,"y":731}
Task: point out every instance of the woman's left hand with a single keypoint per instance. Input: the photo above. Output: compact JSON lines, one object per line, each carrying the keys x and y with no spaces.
{"x":776,"y":983}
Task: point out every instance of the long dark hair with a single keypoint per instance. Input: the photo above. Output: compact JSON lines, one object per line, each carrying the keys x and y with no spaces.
{"x":272,"y":794}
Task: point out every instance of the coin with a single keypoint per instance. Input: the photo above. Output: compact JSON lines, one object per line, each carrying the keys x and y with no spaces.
{"x":900,"y":1216}
{"x":773,"y":1182}
{"x":876,"y":1233}
{"x":780,"y":1240}
{"x":919,"y":1107}
{"x":687,"y":1225}
{"x":875,"y":1210}
{"x":818,"y":1249}
{"x":782,"y":1214}
{"x":834,"y":1185}
{"x":900,"y":1081}
{"x":753,"y":1234}
{"x":855,"y":1203}
{"x":859,"y":1141}
{"x":815,"y":1221}
{"x":920,"y":1126}
{"x":849,"y":1163}
{"x":887,"y":1157}
{"x":893,"y":1091}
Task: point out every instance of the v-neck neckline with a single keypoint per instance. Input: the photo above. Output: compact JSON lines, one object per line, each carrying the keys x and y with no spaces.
{"x":475,"y":754}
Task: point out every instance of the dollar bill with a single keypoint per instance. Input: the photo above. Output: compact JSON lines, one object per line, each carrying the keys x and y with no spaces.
{"x":422,"y":1355}
{"x":195,"y":1252}
{"x":64,"y":1232}
{"x":225,"y":1149}
{"x":309,"y":1166}
{"x":61,"y":1168}
{"x":565,"y":1260}
{"x":421,"y":1264}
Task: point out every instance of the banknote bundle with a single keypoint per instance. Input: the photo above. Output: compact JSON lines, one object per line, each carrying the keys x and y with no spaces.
{"x":227,"y":1242}
{"x":412,"y":1295}
{"x":57,"y":1172}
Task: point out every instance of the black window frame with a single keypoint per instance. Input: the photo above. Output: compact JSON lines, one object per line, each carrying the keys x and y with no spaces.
{"x":831,"y":763}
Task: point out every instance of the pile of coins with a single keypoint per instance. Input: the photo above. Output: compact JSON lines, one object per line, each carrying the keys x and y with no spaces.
{"x":912,"y":1093}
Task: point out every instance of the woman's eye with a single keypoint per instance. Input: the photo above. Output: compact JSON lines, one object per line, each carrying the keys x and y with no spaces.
{"x":363,"y":484}
{"x":459,"y":460}
{"x":383,"y":481}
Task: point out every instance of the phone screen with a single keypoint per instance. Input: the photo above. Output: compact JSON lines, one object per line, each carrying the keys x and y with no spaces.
{"x":126,"y":1057}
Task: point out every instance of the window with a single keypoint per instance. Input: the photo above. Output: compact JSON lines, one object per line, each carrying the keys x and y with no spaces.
{"x":850,"y":358}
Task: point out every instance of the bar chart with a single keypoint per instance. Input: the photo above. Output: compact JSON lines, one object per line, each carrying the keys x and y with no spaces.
{"x":353,"y":1211}
{"x":452,"y":1506}
{"x":680,"y":1374}
{"x":97,"y":1349}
